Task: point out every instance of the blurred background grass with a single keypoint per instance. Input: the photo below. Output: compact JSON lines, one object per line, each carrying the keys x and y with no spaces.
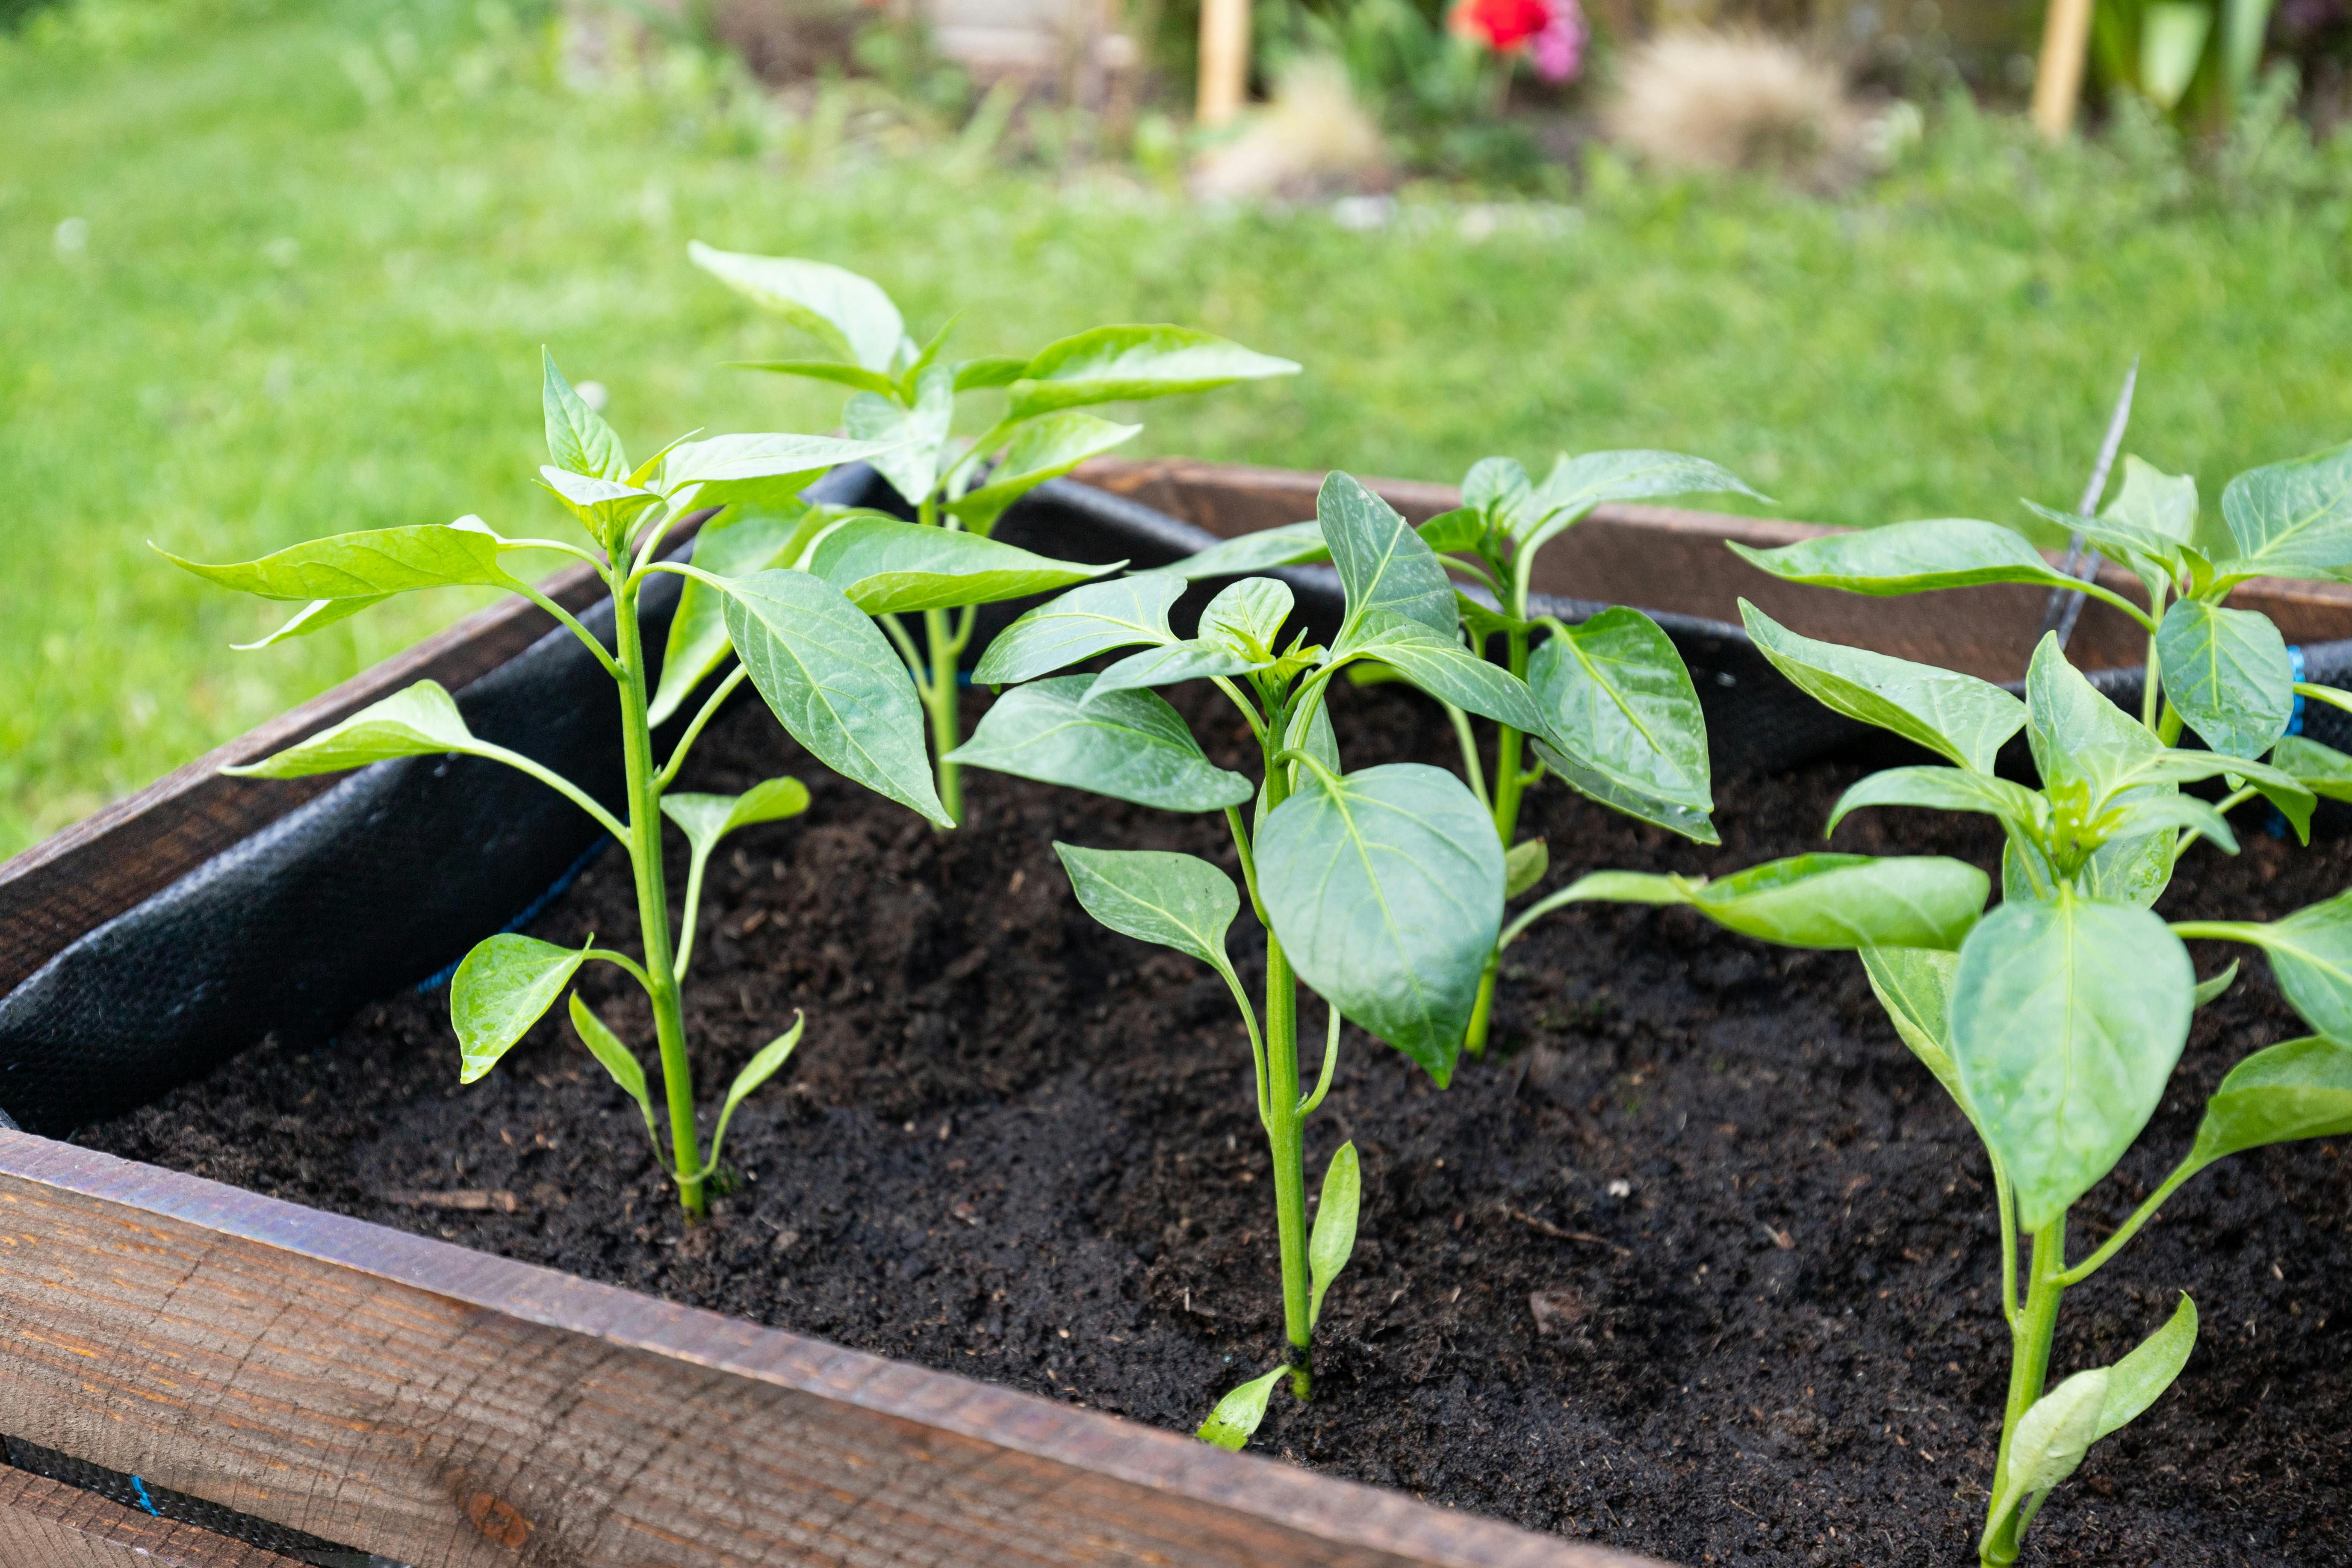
{"x":283,"y":270}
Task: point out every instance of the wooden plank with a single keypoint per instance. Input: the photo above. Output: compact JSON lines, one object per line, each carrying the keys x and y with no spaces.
{"x":47,"y":1524}
{"x":1664,"y":558}
{"x":454,"y":1410}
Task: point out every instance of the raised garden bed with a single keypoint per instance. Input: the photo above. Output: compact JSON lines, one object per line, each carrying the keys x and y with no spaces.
{"x":1693,"y":1264}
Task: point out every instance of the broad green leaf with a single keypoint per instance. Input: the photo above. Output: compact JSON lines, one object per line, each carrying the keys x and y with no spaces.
{"x":833,"y":371}
{"x":1247,"y":615}
{"x":2322,"y":770}
{"x":2155,"y":558}
{"x":2298,"y":1088}
{"x":1499,"y":488}
{"x":2155,"y":502}
{"x":754,"y":470}
{"x":1334,"y":1238}
{"x":504,"y":986}
{"x":1386,"y":893}
{"x":2134,"y":1382}
{"x":705,"y":819}
{"x":1915,"y":985}
{"x":765,"y":1064}
{"x":1081,"y":624}
{"x":617,"y":1058}
{"x":1236,"y":1417}
{"x":1174,"y":900}
{"x":1623,"y":721}
{"x":421,"y":721}
{"x":2052,"y":1435}
{"x":2228,"y":673}
{"x":2067,"y":1018}
{"x":1292,"y":544}
{"x":737,"y":542}
{"x":1311,"y":733}
{"x":1441,"y":667}
{"x":1954,"y":715}
{"x":2210,"y":990}
{"x":849,"y":314}
{"x":918,"y":435}
{"x":316,"y":615}
{"x":1464,"y":528}
{"x":835,"y":683}
{"x":1835,"y":902}
{"x":1040,"y":450}
{"x":2120,"y":871}
{"x":1190,"y":660}
{"x":367,"y":565}
{"x":1910,"y":558}
{"x":1945,"y":789}
{"x":2311,"y":957}
{"x":1524,"y":865}
{"x":988,"y":370}
{"x":1131,"y":746}
{"x":607,"y":509}
{"x":2144,"y":814}
{"x":577,"y":436}
{"x":1383,"y":565}
{"x":1111,"y":364}
{"x":1576,"y":485}
{"x":886,"y":566}
{"x":2293,"y":519}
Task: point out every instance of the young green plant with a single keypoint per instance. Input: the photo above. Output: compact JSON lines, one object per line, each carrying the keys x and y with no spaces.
{"x":783,"y":586}
{"x":1621,"y":721}
{"x":905,"y":393}
{"x":1380,"y":888}
{"x":2055,"y":1021}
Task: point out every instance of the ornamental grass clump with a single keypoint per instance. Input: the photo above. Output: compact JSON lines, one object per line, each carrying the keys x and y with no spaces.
{"x":2054,"y":1022}
{"x":783,"y":586}
{"x":904,"y":393}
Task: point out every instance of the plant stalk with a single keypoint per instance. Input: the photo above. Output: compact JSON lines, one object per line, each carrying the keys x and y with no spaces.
{"x":2029,"y":1369}
{"x":940,"y":693}
{"x":1285,"y":1131}
{"x":1510,"y":783}
{"x":645,"y":845}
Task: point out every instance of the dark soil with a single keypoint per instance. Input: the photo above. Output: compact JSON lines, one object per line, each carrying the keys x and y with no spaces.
{"x":1698,"y":1263}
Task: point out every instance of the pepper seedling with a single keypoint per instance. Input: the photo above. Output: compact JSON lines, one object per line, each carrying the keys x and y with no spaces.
{"x":2055,"y":1021}
{"x":783,"y":586}
{"x":1381,"y":888}
{"x":1620,"y":720}
{"x":905,"y":393}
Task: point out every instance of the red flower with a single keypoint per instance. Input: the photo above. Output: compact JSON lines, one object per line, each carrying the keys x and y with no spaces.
{"x":1502,"y":26}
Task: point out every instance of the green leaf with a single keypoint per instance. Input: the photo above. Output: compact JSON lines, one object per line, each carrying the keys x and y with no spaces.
{"x":842,"y":374}
{"x":2134,"y":1382}
{"x":1190,"y":660}
{"x":1311,"y":733}
{"x":2052,"y":1437}
{"x":369,"y":565}
{"x":316,"y":615}
{"x":1441,"y":667}
{"x":2155,"y":502}
{"x":577,"y":436}
{"x":1131,"y":746}
{"x":1081,"y":624}
{"x":2067,"y":1018}
{"x":765,"y":470}
{"x":616,"y":1057}
{"x":2071,"y":727}
{"x":2210,"y":990}
{"x":421,"y":721}
{"x":737,"y":542}
{"x":2298,"y":1088}
{"x":1945,"y":789}
{"x":918,"y":435}
{"x":1910,"y":558}
{"x":1247,"y":615}
{"x":1623,"y":721}
{"x":1238,"y":1414}
{"x":705,"y":819}
{"x":2228,"y":673}
{"x":2120,"y":871}
{"x":849,"y":314}
{"x":1386,"y":893}
{"x":1834,"y":901}
{"x":886,"y":566}
{"x":1524,"y":865}
{"x":504,"y":987}
{"x":1292,"y":544}
{"x":1334,"y":1238}
{"x":835,"y":683}
{"x":764,"y":1065}
{"x":1044,"y":450}
{"x":2320,"y":768}
{"x":2293,"y":519}
{"x":1174,"y":900}
{"x":1383,"y":565}
{"x":1464,"y":528}
{"x":2155,"y":560}
{"x":988,"y":370}
{"x":2311,"y":957}
{"x":607,"y":509}
{"x":1576,"y":485}
{"x":1499,"y":488}
{"x":1914,"y":984}
{"x":1110,"y":364}
{"x":1954,"y":715}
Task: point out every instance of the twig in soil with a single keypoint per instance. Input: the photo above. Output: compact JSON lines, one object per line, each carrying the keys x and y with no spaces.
{"x":1546,"y":1227}
{"x":472,"y":1199}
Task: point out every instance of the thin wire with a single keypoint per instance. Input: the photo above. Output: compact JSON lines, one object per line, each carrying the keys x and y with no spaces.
{"x":2065,"y":607}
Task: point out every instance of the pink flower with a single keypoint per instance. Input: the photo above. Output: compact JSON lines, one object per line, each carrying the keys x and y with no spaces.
{"x":1558,"y":48}
{"x":1550,"y":33}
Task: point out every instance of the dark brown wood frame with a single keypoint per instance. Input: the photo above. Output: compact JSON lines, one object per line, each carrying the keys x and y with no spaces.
{"x":454,"y":1410}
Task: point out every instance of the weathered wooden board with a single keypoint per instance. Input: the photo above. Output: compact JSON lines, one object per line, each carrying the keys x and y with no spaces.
{"x":1662,"y":558}
{"x":454,"y":1410}
{"x":47,"y":1524}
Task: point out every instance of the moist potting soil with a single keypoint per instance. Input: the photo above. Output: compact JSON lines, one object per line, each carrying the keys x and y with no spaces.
{"x":1697,"y":1262}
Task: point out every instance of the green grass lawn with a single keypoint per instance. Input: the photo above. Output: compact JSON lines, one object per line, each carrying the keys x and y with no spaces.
{"x":319,"y":249}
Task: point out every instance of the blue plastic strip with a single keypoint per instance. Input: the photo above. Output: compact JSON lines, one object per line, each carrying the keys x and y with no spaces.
{"x":2294,"y":715}
{"x":531,"y":911}
{"x":144,"y":1500}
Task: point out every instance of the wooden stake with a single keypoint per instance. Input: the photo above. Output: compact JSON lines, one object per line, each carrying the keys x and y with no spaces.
{"x":2058,"y":80}
{"x":1224,"y":61}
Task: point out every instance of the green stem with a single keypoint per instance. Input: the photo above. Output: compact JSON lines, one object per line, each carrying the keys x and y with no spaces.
{"x":1510,"y":780}
{"x":2130,"y":1228}
{"x":711,"y":707}
{"x":1284,"y":1133}
{"x":940,"y":693}
{"x":2152,"y":683}
{"x":2029,"y":1370}
{"x":644,"y":847}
